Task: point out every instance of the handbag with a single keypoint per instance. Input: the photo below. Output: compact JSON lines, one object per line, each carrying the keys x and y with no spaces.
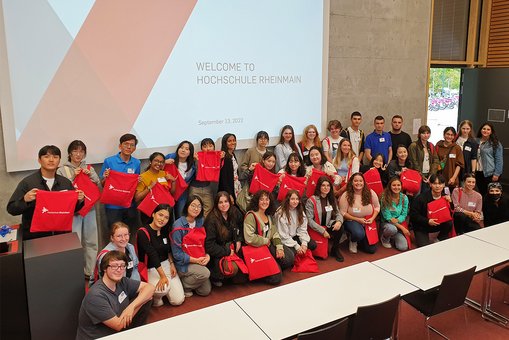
{"x":180,"y":183}
{"x":157,"y":195}
{"x":209,"y":166}
{"x":313,"y":180}
{"x":371,"y":229}
{"x":411,"y":181}
{"x":193,"y":243}
{"x":440,"y":210}
{"x":374,"y":181}
{"x":262,"y":179}
{"x":305,"y":263}
{"x":226,"y":264}
{"x":54,"y":211}
{"x":290,"y":182}
{"x":92,"y":193}
{"x":119,"y":189}
{"x":260,"y":262}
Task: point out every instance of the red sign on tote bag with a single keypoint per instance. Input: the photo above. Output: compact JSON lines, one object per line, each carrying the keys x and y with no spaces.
{"x":54,"y":211}
{"x":263,"y":179}
{"x":157,"y":195}
{"x":313,"y":180}
{"x":291,"y":183}
{"x":92,"y":193}
{"x":119,"y":189}
{"x":209,"y":166}
{"x":180,"y":182}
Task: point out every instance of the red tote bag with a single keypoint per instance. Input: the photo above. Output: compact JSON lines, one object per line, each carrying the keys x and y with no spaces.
{"x":54,"y":211}
{"x":119,"y":189}
{"x":371,"y":230}
{"x":263,"y":179}
{"x":313,"y":180}
{"x":411,"y":181}
{"x":408,"y":240}
{"x":180,"y":182}
{"x":193,"y":243}
{"x":322,"y":243}
{"x":159,"y":194}
{"x":260,"y":262}
{"x":305,"y":263}
{"x":209,"y":166}
{"x":373,"y":181}
{"x":291,"y":183}
{"x":92,"y":193}
{"x":440,"y":210}
{"x":226,"y":265}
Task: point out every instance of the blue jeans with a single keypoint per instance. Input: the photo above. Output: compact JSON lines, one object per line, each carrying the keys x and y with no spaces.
{"x":358,"y":234}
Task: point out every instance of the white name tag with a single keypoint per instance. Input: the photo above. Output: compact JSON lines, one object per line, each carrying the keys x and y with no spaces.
{"x":165,"y":241}
{"x":122,"y":297}
{"x":468,"y":148}
{"x":161,"y":180}
{"x":328,"y":208}
{"x":381,"y":140}
{"x":130,"y":170}
{"x":356,"y":210}
{"x":130,"y":264}
{"x":265,"y":228}
{"x":452,"y":155}
{"x":471,"y":204}
{"x":305,"y":153}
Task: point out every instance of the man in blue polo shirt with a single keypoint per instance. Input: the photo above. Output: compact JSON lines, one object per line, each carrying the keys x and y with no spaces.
{"x":123,"y":162}
{"x":378,"y":141}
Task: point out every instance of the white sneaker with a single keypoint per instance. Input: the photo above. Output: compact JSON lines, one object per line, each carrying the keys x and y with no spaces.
{"x":188,"y":293}
{"x":157,"y":303}
{"x":353,"y":247}
{"x":386,"y":244}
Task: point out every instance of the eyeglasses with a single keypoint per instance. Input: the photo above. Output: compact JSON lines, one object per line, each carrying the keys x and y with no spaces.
{"x":114,"y":267}
{"x":122,"y":236}
{"x":195,"y":206}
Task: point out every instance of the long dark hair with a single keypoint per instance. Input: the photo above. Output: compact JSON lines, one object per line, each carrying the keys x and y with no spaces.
{"x":216,"y":215}
{"x":366,"y":192}
{"x":190,"y":199}
{"x":292,"y":142}
{"x":224,"y":144}
{"x":493,"y":136}
{"x":160,"y":207}
{"x":284,"y":209}
{"x":190,"y":157}
{"x":330,"y":196}
{"x":301,"y":171}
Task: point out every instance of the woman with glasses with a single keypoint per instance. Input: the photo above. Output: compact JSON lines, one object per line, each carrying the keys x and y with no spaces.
{"x":84,"y":226}
{"x":188,"y":248}
{"x":153,"y":245}
{"x":119,"y":240}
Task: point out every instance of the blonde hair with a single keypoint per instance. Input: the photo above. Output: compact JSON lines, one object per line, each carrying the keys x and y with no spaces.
{"x":469,"y":123}
{"x":339,"y":155}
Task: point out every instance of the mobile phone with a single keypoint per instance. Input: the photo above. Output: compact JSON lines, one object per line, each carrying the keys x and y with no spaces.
{"x":447,"y":191}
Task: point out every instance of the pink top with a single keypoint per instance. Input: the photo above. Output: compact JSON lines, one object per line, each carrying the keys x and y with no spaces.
{"x":469,"y":201}
{"x":357,"y":209}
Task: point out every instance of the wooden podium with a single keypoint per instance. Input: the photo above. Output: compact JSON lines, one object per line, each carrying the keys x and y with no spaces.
{"x":55,"y":285}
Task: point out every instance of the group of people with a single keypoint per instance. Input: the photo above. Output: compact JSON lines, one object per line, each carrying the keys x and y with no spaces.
{"x":179,"y":251}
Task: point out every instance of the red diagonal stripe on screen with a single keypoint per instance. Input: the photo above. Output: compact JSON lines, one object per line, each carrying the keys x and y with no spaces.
{"x":108,"y":73}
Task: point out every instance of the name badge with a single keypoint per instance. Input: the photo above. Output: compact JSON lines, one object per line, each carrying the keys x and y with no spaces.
{"x":265,"y":228}
{"x":356,"y":210}
{"x":130,"y":264}
{"x":165,"y":241}
{"x":130,"y":170}
{"x":122,"y":297}
{"x":381,"y":139}
{"x":452,"y":155}
{"x":328,"y":208}
{"x":471,"y":204}
{"x":305,"y":153}
{"x":161,"y":180}
{"x":335,"y":145}
{"x":468,"y":148}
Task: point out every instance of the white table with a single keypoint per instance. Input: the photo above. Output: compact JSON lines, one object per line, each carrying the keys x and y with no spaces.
{"x":497,"y":235}
{"x":425,"y":267}
{"x":223,"y":321}
{"x":294,"y":308}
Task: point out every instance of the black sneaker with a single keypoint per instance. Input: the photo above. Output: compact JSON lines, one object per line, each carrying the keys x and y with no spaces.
{"x":338,"y":256}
